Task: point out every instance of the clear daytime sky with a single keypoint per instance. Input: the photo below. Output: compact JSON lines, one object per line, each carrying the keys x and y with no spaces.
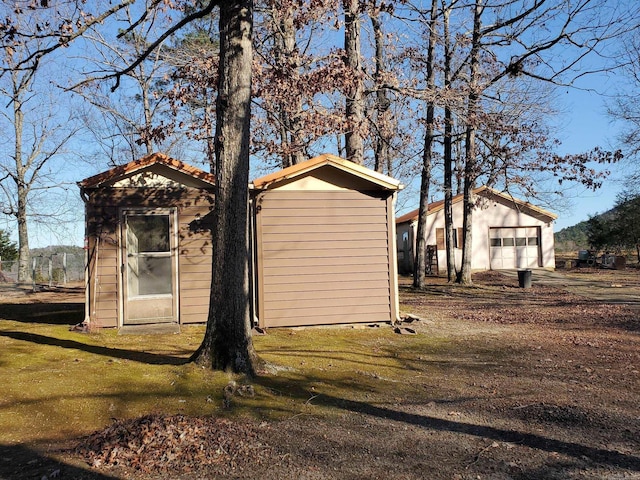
{"x":587,"y":126}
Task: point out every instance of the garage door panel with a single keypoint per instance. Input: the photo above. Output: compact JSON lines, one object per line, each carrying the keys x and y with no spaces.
{"x":515,"y":247}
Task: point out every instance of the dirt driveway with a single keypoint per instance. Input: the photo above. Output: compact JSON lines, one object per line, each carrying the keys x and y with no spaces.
{"x":609,"y":286}
{"x":498,"y":383}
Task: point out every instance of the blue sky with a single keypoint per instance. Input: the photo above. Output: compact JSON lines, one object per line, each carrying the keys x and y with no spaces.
{"x":586,"y":125}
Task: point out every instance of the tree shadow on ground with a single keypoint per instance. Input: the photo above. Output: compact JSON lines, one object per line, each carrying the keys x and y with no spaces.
{"x":133,"y":355}
{"x":599,"y":455}
{"x":43,"y":313}
{"x":18,"y":462}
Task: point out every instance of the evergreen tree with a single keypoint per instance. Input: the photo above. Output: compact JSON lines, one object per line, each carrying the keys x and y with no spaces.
{"x":8,"y":249}
{"x":619,"y":229}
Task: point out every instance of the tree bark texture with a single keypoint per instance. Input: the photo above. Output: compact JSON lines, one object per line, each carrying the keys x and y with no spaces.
{"x":420,"y":262}
{"x":227,"y":344}
{"x":354,"y":144}
{"x":464,"y":276}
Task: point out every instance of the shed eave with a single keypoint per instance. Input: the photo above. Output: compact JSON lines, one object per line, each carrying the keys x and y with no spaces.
{"x":128,"y":169}
{"x":290,"y":173}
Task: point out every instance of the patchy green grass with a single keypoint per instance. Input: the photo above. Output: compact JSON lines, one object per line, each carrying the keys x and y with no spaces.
{"x":59,"y":384}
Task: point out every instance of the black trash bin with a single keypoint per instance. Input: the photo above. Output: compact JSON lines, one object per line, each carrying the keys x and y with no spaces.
{"x":524,"y":278}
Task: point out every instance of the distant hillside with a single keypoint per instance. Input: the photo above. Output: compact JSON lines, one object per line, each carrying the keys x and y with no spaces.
{"x":573,"y":238}
{"x":57,"y":249}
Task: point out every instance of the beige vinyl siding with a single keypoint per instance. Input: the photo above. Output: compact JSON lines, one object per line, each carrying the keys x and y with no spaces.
{"x":194,"y":259}
{"x":103,"y":283}
{"x":323,"y":258}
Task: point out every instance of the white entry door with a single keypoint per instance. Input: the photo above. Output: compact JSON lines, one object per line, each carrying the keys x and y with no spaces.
{"x":149,"y":276}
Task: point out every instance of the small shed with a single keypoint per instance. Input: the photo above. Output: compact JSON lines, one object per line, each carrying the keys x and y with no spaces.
{"x":322,"y":245}
{"x":325,"y":248}
{"x":148,"y":242}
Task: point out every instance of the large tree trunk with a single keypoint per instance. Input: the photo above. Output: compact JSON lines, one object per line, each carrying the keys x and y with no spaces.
{"x":354,"y":144}
{"x":227,"y":344}
{"x":420,"y":262}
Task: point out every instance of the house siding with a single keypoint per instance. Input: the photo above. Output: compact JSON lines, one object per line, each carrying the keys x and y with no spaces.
{"x":102,"y":244}
{"x":323,"y":257}
{"x":194,"y":259}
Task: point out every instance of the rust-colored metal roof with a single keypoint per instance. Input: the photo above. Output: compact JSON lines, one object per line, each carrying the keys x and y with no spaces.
{"x":487,"y":191}
{"x":145,"y":162}
{"x":299,"y":169}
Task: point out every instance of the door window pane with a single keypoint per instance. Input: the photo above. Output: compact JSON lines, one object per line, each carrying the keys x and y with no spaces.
{"x":149,"y":267}
{"x":151,"y":232}
{"x":150,"y":276}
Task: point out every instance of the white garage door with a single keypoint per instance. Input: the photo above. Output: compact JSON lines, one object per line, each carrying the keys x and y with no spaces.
{"x":517,"y":247}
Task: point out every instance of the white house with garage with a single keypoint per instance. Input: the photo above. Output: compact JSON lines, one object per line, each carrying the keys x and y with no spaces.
{"x":507,"y":234}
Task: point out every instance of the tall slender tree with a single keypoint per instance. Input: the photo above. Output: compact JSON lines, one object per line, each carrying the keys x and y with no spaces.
{"x":35,"y":136}
{"x":420,"y":263}
{"x":448,"y":141}
{"x":470,"y":170}
{"x":382,"y":128}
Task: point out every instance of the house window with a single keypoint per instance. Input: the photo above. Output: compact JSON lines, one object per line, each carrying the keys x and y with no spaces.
{"x":405,"y":240}
{"x":496,"y":242}
{"x":440,"y":238}
{"x":508,"y":242}
{"x":532,"y":241}
{"x":521,"y":241}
